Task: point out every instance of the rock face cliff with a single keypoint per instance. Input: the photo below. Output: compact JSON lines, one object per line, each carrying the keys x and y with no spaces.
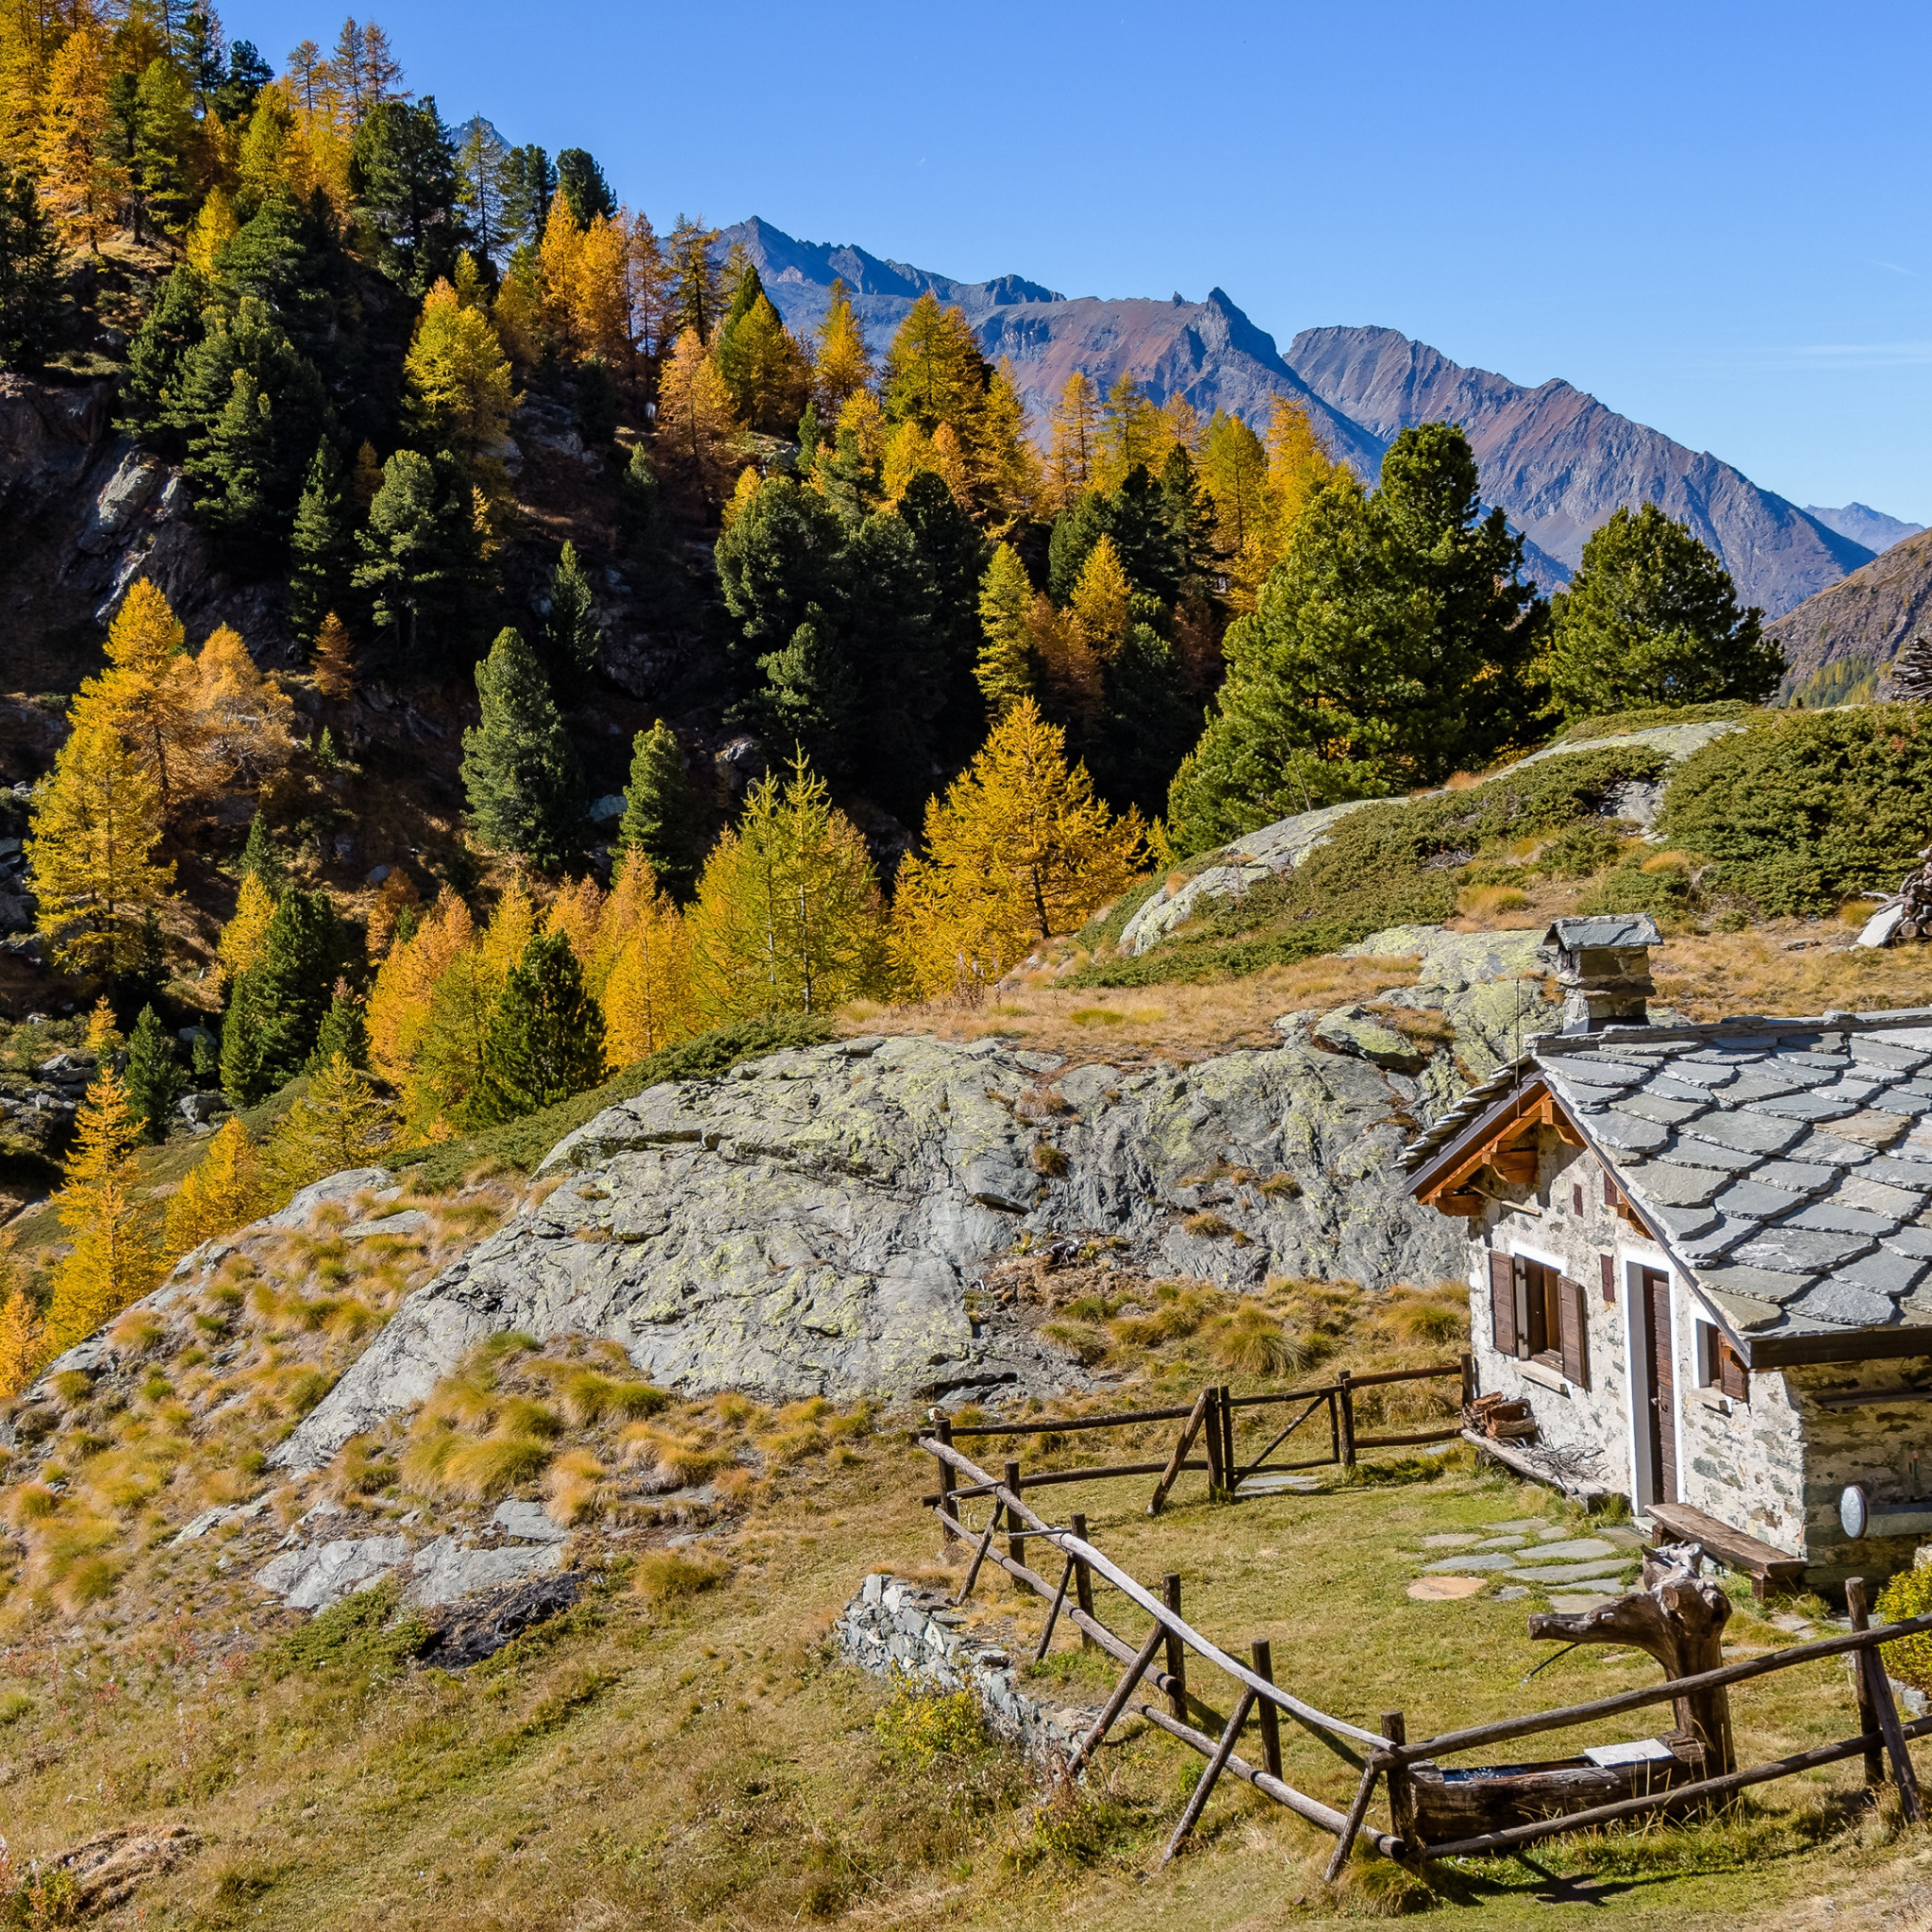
{"x":813,"y":1223}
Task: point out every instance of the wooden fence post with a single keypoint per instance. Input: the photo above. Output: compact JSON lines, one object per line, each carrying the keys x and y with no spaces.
{"x":1263,"y":1656}
{"x":1345,"y":1401}
{"x":1468,"y":1379}
{"x":1333,"y":1426}
{"x":1867,"y":1716}
{"x":1083,"y":1577}
{"x":1216,"y":1474}
{"x":943,"y":1428}
{"x":1016,"y":1543}
{"x":1878,"y":1688}
{"x":1176,"y":1650}
{"x":1230,"y":1475}
{"x":1401,"y":1791}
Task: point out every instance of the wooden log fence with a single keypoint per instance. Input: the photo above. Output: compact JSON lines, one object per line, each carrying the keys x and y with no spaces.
{"x":1391,"y":1760}
{"x":1208,"y":1424}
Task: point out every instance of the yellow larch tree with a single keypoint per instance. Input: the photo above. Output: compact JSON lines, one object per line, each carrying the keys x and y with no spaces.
{"x":787,"y":917}
{"x":112,"y":1262}
{"x":24,"y":1345}
{"x":396,"y":893}
{"x":576,"y":912}
{"x":1130,"y":433}
{"x":556,"y":272}
{"x":1018,"y":850}
{"x":642,"y":969}
{"x":242,"y":939}
{"x":103,"y":1036}
{"x":80,"y":180}
{"x":398,"y":1008}
{"x":147,"y":693}
{"x":600,"y":295}
{"x":1102,"y":599}
{"x":220,"y":1193}
{"x":214,"y":227}
{"x":1233,"y":466}
{"x":242,"y":721}
{"x":741,"y":494}
{"x":697,"y":432}
{"x":342,"y":1122}
{"x":841,"y":365}
{"x":1298,"y":465}
{"x":1006,"y":670}
{"x":1181,"y":428}
{"x":335,"y":660}
{"x":1073,"y":453}
{"x":459,"y":393}
{"x":96,"y":822}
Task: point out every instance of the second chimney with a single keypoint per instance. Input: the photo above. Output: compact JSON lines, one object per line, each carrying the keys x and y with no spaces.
{"x":1603,"y":966}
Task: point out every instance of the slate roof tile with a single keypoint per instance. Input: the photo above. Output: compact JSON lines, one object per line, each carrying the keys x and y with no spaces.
{"x":1860,"y":1191}
{"x":1727,"y":1232}
{"x":1667,"y":1088}
{"x":1754,"y":1197}
{"x":1623,"y":1131}
{"x":1804,"y":1106}
{"x":1688,"y":1153}
{"x":1883,"y":1274}
{"x":1687,"y":1223}
{"x":1915,"y":1242}
{"x":1820,"y":1149}
{"x":1890,"y":1053}
{"x":1893,"y":1172}
{"x":1831,"y":1216}
{"x":1799,"y":1249}
{"x":1693,"y":1075}
{"x":1761,"y":1284}
{"x":1663,"y":1184}
{"x":1798,"y":1176}
{"x":1747,"y":1131}
{"x":1844,"y":1307}
{"x":1656,"y":1107}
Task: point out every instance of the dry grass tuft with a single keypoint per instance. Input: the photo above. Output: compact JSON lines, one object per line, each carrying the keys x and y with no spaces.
{"x":573,"y":1486}
{"x":1761,"y":971}
{"x":1486,"y":902}
{"x":666,"y":1576}
{"x":1250,"y":1342}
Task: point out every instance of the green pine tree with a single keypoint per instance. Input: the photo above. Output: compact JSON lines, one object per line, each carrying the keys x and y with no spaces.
{"x":811,"y":699}
{"x":421,"y":555}
{"x":519,"y":768}
{"x":29,"y":275}
{"x":546,"y":1035}
{"x":571,"y":634}
{"x":259,"y":856}
{"x":154,"y":1081}
{"x":322,"y":546}
{"x":637,"y":505}
{"x":289,"y":987}
{"x":342,"y":1031}
{"x":663,"y":818}
{"x":168,"y":335}
{"x":243,"y":1079}
{"x":1652,"y":618}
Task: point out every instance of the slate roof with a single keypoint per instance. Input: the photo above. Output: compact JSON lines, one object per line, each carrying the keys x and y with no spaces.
{"x":1786,"y":1164}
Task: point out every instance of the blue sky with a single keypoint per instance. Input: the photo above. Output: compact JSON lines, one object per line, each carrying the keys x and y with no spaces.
{"x":1713,"y":217}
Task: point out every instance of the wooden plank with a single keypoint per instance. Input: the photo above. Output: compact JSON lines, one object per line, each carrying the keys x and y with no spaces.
{"x":1053,"y":1614}
{"x":1405,"y":1442}
{"x":1170,"y":1472}
{"x":1203,"y":1790}
{"x":1083,"y":1581}
{"x":1514,"y":1835}
{"x":1434,"y":1372}
{"x":1732,"y":1547}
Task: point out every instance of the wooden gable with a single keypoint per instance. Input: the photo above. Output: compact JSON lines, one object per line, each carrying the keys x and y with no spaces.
{"x":1504,"y":1143}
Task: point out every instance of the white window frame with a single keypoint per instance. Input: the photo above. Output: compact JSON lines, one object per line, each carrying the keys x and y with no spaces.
{"x":1632,"y":1258}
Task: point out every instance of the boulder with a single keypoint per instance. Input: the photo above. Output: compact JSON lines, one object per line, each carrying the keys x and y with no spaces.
{"x":1355,"y":1030}
{"x":812,"y":1222}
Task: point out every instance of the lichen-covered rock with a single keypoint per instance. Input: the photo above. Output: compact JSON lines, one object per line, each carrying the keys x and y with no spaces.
{"x":813,"y":1222}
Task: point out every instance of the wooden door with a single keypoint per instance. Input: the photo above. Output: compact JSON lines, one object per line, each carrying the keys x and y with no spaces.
{"x":1660,"y":1385}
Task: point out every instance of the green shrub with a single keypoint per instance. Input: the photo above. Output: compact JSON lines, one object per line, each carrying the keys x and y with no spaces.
{"x":1804,"y":810}
{"x":362,"y":1634}
{"x":1630,"y":889}
{"x":1617,"y":724}
{"x":1576,"y":852}
{"x":1388,"y":864}
{"x":1908,"y":1594}
{"x":919,"y":1724}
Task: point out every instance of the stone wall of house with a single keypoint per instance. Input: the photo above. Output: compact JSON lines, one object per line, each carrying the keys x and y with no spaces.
{"x":1550,"y":1225}
{"x":895,"y":1625}
{"x":1875,"y":1444}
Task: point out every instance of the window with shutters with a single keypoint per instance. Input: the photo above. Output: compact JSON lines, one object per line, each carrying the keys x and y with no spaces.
{"x":1718,"y":1365}
{"x":1537,"y":1314}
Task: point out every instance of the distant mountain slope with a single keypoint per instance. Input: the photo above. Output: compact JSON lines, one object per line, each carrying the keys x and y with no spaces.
{"x":1208,"y":351}
{"x":1556,"y":460}
{"x":1835,"y":641}
{"x":1559,"y":462}
{"x":1863,"y":525}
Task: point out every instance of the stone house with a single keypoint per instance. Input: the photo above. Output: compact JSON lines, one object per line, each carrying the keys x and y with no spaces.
{"x":1702,"y":1255}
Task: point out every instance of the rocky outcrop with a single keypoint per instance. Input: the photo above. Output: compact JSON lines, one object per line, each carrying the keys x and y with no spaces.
{"x":813,"y":1221}
{"x":1843,"y":637}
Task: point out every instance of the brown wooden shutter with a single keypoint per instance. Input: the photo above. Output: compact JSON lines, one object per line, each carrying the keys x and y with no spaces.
{"x":1732,"y":1377}
{"x":1607,"y":1267}
{"x":1574,"y":1320}
{"x":1529,"y":1310}
{"x":1503,"y":1303}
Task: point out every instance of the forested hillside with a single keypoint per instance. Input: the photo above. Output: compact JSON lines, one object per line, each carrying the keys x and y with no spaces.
{"x":469,"y":644}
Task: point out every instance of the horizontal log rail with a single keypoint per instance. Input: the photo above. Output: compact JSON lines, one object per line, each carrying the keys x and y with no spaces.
{"x":1125,"y":1420}
{"x":1507,"y":1729}
{"x":1671,"y":1794}
{"x":1051,"y":1478}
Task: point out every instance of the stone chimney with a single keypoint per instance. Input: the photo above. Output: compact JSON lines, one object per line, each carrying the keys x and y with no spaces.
{"x":1604,"y":968}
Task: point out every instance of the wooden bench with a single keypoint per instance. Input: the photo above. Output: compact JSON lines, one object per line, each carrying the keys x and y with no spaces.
{"x":1768,"y":1569}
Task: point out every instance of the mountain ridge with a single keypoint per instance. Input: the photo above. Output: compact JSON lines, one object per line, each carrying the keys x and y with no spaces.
{"x":1555,"y":458}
